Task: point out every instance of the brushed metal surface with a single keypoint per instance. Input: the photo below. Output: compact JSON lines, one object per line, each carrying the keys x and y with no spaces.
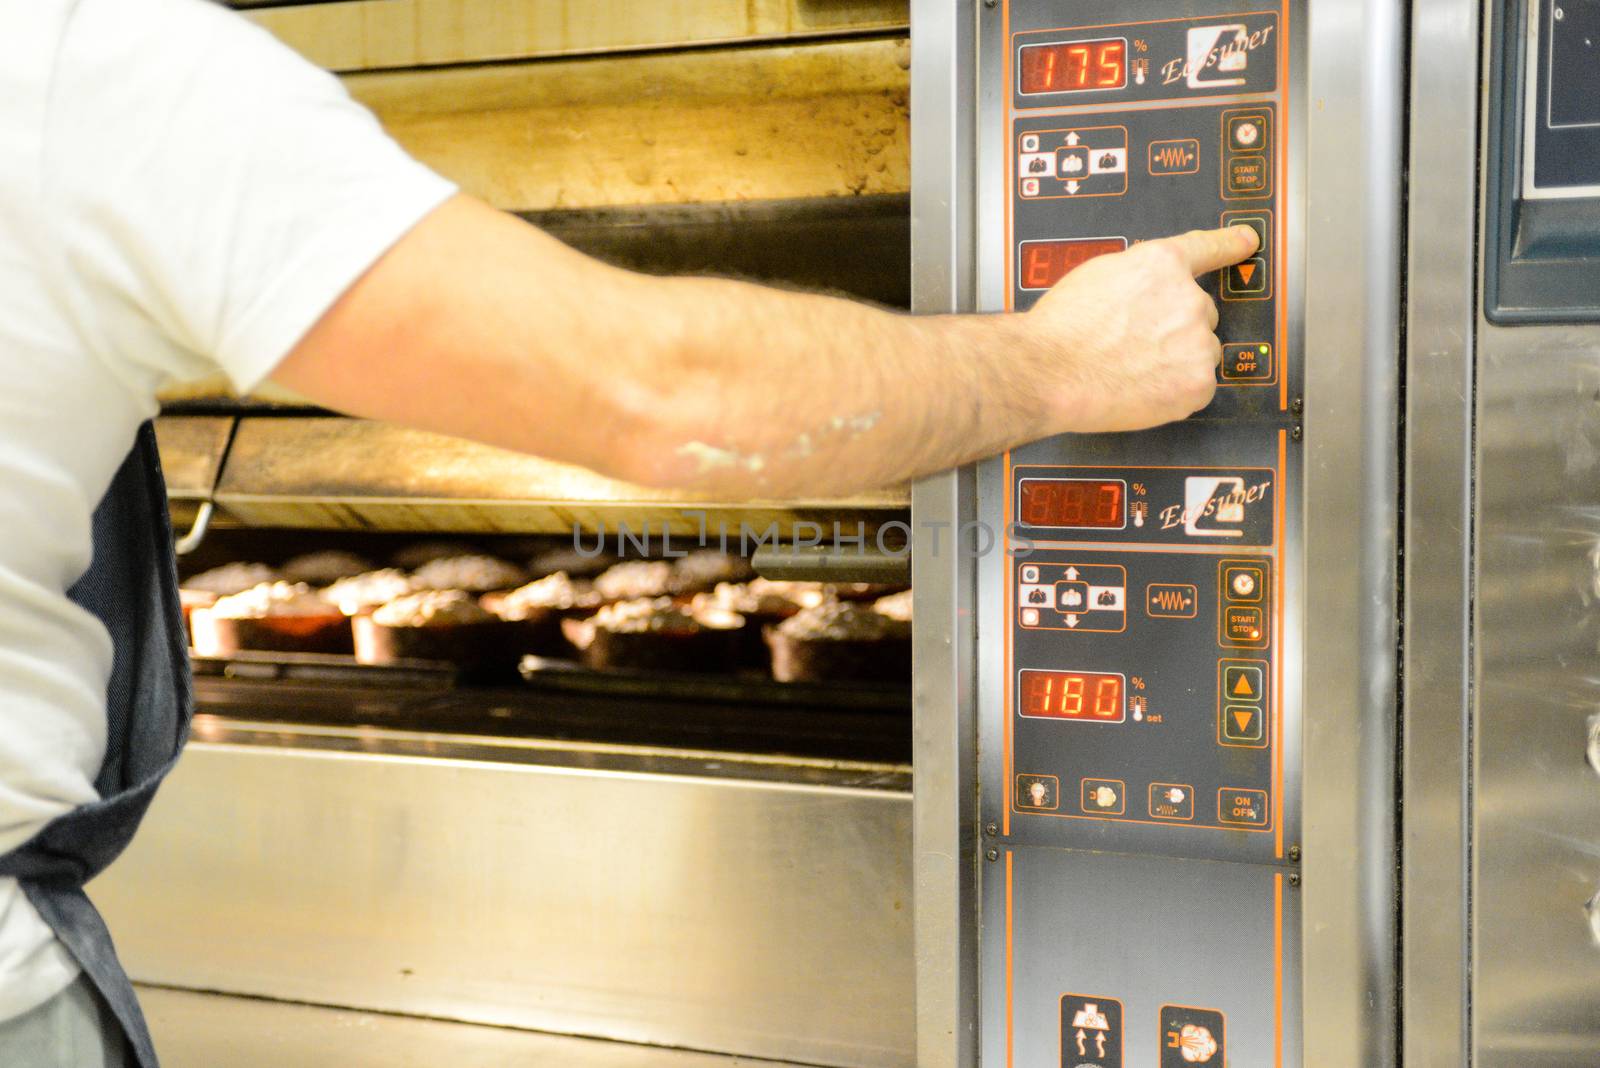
{"x":1354,"y":128}
{"x":376,"y":34}
{"x":1440,"y":323}
{"x":315,"y":472}
{"x":1535,"y":828}
{"x":755,"y":918}
{"x":943,"y":638}
{"x":192,"y":450}
{"x":194,"y":1030}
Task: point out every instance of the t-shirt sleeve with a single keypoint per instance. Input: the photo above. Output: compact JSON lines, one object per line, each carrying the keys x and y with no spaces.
{"x":214,"y":193}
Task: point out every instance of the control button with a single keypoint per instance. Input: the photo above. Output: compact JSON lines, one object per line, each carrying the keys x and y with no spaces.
{"x":1030,"y":187}
{"x":1104,"y":797}
{"x":1248,"y":280}
{"x":1249,"y":132}
{"x":1248,"y":362}
{"x":1030,"y":573}
{"x":1191,"y":1036}
{"x":1244,"y":726}
{"x":1038,"y":793}
{"x":1030,"y":617}
{"x":1072,"y":162}
{"x":1243,"y":583}
{"x":1174,"y":157}
{"x":1242,"y":682}
{"x":1259,"y":221}
{"x":1246,"y":135}
{"x":1243,"y":625}
{"x":1030,"y":142}
{"x":1091,"y":1031}
{"x":1170,"y":600}
{"x":1037,"y":164}
{"x":1242,"y":808}
{"x":1171,"y":801}
{"x":1248,"y":176}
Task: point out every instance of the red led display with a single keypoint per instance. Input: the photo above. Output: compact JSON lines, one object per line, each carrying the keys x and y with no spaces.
{"x":1073,"y":66}
{"x":1073,"y":502}
{"x":1078,"y":695}
{"x":1044,"y":263}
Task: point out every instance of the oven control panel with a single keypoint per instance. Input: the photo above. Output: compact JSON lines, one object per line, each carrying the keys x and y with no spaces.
{"x":1140,"y":739}
{"x":1143,"y":584}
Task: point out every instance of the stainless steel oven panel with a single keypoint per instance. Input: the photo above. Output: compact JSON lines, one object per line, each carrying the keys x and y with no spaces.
{"x":755,"y":918}
{"x":1355,"y":124}
{"x":1441,"y":321}
{"x":1535,"y":815}
{"x":943,"y":54}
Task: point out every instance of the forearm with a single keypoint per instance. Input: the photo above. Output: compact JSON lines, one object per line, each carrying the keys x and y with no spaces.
{"x":478,"y":325}
{"x":746,"y":391}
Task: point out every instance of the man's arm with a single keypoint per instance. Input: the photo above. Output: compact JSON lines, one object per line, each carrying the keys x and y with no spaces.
{"x":478,"y":325}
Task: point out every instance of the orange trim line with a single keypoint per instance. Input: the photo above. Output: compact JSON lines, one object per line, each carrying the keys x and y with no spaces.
{"x":1277,"y":968}
{"x":1281,"y":226}
{"x":1010,"y":1016}
{"x":1277,"y":626}
{"x":1008,"y":565}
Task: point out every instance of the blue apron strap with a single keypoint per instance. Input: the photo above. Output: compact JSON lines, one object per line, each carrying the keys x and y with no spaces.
{"x":132,"y":587}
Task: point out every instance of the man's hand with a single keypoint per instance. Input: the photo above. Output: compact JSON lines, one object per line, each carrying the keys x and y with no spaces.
{"x":1130,"y":339}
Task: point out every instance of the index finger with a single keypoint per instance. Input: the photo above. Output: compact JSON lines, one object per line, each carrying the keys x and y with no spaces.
{"x":1211,"y":250}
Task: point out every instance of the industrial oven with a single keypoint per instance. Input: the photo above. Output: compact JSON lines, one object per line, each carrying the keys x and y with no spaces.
{"x":1269,"y":737}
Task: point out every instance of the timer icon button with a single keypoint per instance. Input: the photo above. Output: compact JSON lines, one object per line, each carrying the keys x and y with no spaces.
{"x":1248,"y":132}
{"x":1243,"y":584}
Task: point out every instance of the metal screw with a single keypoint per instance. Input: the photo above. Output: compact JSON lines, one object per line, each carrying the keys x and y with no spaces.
{"x":1294,"y":853}
{"x":991,"y":829}
{"x":993,"y":854}
{"x":990,"y":3}
{"x":1294,"y":878}
{"x":1297,"y":406}
{"x":1295,"y":434}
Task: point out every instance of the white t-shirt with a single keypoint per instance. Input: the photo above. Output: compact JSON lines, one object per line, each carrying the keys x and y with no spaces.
{"x":179,"y":193}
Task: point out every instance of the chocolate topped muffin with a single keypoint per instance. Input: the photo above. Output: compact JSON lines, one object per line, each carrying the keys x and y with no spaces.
{"x":284,"y":617}
{"x":703,"y":569}
{"x":841,"y":641}
{"x":654,"y":634}
{"x":571,"y":561}
{"x":761,"y":607}
{"x":553,"y":593}
{"x":429,"y":608}
{"x":474,"y":574}
{"x":358,"y":593}
{"x":634,"y":579}
{"x":441,"y":625}
{"x":325,"y":567}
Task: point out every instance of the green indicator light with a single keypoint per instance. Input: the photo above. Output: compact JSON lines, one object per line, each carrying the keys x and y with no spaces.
{"x":1264,"y":350}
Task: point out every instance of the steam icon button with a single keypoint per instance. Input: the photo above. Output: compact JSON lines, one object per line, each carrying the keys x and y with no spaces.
{"x":1171,"y":801}
{"x":1103,"y":797}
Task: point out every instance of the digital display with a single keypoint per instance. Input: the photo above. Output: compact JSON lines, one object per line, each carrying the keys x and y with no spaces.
{"x":1044,"y":263}
{"x":1074,"y":66}
{"x":1094,"y":504}
{"x":1077,"y":695}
